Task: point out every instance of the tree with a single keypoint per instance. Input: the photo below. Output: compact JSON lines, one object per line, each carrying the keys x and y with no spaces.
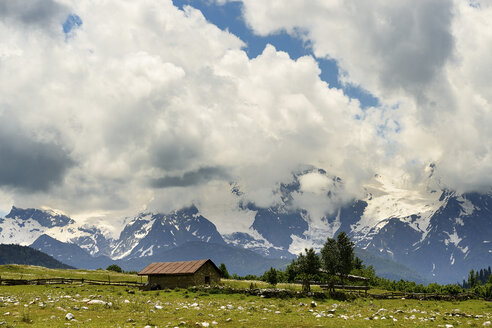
{"x":223,"y":270}
{"x":358,"y":263}
{"x":472,"y":280}
{"x":272,"y":276}
{"x":292,"y":271}
{"x":309,"y":266}
{"x":114,"y":267}
{"x":346,"y":249}
{"x":330,"y":256}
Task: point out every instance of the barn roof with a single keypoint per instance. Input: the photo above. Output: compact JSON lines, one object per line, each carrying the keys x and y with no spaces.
{"x":184,"y":267}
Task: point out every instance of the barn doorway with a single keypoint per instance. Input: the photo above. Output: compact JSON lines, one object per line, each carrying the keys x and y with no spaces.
{"x":207,"y":280}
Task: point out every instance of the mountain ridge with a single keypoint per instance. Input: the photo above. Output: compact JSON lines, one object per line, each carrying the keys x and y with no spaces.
{"x":438,"y":234}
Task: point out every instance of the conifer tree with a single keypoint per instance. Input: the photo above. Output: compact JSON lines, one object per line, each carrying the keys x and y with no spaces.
{"x":330,"y":256}
{"x":223,"y":270}
{"x":272,"y":276}
{"x":472,"y":279}
{"x":309,"y":266}
{"x":346,"y":249}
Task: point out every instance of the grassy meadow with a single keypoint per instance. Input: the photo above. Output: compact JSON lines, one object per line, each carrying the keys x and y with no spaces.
{"x":112,"y":306}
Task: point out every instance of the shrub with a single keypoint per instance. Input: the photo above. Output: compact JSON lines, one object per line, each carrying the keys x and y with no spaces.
{"x":114,"y":267}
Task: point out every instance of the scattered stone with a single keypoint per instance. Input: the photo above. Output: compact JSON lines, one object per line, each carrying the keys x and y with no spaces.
{"x":228,"y":320}
{"x":158,"y":307}
{"x":205,"y":324}
{"x":313,"y":304}
{"x":96,"y":302}
{"x":69,"y":316}
{"x":486,"y":323}
{"x":130,"y":320}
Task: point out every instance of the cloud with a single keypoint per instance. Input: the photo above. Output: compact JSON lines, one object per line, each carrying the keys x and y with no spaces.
{"x":143,"y":91}
{"x":29,"y":164}
{"x":425,"y":61}
{"x":149,"y":107}
{"x":42,"y":14}
{"x":202,"y":175}
{"x":395,"y":47}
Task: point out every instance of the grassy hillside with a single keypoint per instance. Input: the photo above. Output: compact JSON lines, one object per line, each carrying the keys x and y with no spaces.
{"x":34,"y":272}
{"x":15,"y":254}
{"x":111,"y":306}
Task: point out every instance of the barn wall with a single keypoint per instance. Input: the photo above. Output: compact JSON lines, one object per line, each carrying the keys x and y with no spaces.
{"x":182,"y":281}
{"x":171,"y":281}
{"x":207,"y":270}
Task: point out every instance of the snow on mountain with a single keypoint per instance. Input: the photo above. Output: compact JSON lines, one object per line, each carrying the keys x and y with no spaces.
{"x":255,"y":242}
{"x":148,"y":233}
{"x":439,"y":233}
{"x":24,"y":226}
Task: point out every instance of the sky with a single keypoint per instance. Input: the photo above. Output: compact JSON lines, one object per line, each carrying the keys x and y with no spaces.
{"x":110,"y":108}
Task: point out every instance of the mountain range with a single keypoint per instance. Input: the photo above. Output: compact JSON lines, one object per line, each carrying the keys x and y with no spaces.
{"x":432,"y":235}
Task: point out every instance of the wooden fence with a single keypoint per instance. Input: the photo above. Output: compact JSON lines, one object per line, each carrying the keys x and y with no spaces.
{"x":67,"y":281}
{"x":396,"y":294}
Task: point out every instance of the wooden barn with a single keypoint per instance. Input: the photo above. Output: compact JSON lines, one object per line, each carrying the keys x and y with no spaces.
{"x":181,"y":274}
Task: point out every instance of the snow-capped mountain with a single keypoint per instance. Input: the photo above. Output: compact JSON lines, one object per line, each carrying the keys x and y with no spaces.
{"x":439,"y":233}
{"x":149,"y":233}
{"x":444,"y":246}
{"x":24,"y":226}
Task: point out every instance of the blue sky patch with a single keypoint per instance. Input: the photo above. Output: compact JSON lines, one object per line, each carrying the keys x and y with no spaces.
{"x":73,"y":21}
{"x":229,"y":17}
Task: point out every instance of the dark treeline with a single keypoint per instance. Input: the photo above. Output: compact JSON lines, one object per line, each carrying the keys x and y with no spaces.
{"x":479,"y":277}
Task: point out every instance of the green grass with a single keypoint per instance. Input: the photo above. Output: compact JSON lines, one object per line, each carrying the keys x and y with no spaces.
{"x":43,"y":306}
{"x":14,"y":271}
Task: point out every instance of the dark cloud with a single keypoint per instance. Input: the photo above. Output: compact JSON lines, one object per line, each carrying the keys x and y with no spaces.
{"x":191,"y":178}
{"x":174,"y":152}
{"x":417,"y":44}
{"x":39,"y":13}
{"x":31,"y":165}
